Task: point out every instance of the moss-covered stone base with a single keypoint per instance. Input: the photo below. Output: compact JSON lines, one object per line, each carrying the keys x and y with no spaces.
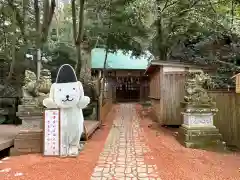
{"x":200,"y":137}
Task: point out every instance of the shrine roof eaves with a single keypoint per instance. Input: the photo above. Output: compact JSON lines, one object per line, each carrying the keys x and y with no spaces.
{"x":157,"y":63}
{"x":118,"y":60}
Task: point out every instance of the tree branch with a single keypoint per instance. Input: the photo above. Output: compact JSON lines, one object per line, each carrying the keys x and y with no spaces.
{"x":186,"y":10}
{"x":211,"y":5}
{"x":165,"y":5}
{"x":168,"y":5}
{"x":227,"y":63}
{"x":232,"y":14}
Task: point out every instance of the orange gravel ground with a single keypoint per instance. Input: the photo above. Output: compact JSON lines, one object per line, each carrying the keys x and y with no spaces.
{"x":36,"y":167}
{"x":175,"y":162}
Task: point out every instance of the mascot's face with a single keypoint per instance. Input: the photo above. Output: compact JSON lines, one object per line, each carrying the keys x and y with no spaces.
{"x":67,"y":95}
{"x":67,"y":91}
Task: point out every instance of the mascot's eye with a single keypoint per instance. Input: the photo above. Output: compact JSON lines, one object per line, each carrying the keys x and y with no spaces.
{"x":59,"y":89}
{"x":73,"y":88}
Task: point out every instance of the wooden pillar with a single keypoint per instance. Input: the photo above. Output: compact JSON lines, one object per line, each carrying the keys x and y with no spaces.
{"x":140,"y":88}
{"x":114,"y":84}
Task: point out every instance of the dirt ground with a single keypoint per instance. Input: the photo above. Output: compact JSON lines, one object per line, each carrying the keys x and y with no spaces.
{"x":37,"y":167}
{"x":173,"y":161}
{"x":178,"y":163}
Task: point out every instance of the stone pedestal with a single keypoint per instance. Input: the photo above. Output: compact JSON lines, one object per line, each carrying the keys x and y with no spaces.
{"x":32,"y":122}
{"x":198,"y":131}
{"x":29,"y":141}
{"x":32,"y":118}
{"x":198,"y":119}
{"x":30,"y":138}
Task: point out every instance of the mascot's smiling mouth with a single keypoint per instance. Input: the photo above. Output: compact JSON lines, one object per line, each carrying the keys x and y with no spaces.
{"x":67,"y":99}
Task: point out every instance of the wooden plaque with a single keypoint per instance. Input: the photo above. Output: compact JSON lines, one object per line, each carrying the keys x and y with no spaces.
{"x":51,"y":132}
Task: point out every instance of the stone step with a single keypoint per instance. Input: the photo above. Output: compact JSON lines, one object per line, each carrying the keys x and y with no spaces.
{"x":200,"y":137}
{"x":199,"y":130}
{"x":208,"y":137}
{"x":218,"y":145}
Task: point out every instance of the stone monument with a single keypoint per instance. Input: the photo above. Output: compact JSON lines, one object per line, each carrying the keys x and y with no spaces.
{"x":29,"y":140}
{"x":198,"y":130}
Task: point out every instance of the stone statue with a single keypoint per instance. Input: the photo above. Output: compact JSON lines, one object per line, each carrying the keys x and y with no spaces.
{"x":196,"y":90}
{"x":198,"y":129}
{"x":34,"y":91}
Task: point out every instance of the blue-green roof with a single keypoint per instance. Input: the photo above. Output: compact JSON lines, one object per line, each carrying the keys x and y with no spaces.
{"x":119,"y":60}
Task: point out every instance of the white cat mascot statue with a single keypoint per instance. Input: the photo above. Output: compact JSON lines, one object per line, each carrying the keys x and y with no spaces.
{"x":68,"y":95}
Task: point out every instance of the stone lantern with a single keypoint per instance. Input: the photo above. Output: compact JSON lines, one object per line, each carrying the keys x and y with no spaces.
{"x":30,"y":138}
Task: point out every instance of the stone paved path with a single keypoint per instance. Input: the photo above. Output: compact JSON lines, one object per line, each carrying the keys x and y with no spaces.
{"x":123,"y":154}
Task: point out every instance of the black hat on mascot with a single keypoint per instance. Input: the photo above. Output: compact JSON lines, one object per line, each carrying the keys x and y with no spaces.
{"x":66,"y":74}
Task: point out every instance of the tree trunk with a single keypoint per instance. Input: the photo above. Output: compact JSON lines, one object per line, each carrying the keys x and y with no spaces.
{"x":85,"y":72}
{"x":18,"y":21}
{"x":162,"y":50}
{"x":38,"y":41}
{"x":13,"y":49}
{"x":78,"y":63}
{"x":161,"y":44}
{"x":39,"y":61}
{"x":103,"y":77}
{"x":78,"y":36}
{"x":42,"y":29}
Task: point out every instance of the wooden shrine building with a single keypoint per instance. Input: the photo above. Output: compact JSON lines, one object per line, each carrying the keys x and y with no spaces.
{"x":167,"y":89}
{"x":126,"y":81}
